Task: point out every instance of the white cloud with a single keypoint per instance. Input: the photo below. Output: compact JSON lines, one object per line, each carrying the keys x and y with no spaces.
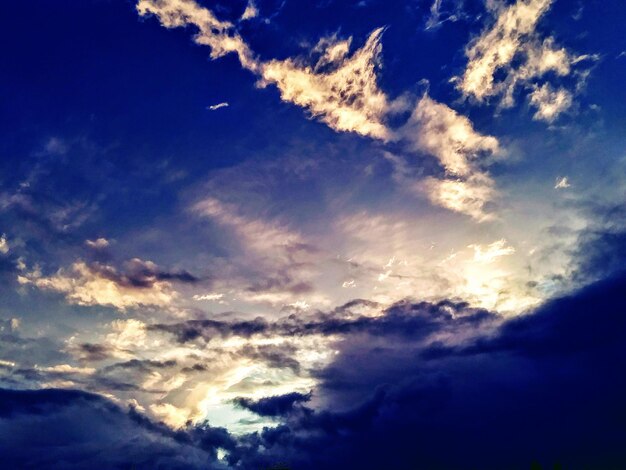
{"x":4,"y":244}
{"x":550,"y":103}
{"x":513,"y":47}
{"x":217,"y":106}
{"x":440,"y":131}
{"x":83,"y":284}
{"x":489,"y":253}
{"x":438,"y":16}
{"x":340,"y":89}
{"x":562,"y":183}
{"x":219,"y":35}
{"x":250,"y":12}
{"x":98,"y":244}
{"x":469,"y":196}
{"x":259,"y":235}
{"x":208,"y":297}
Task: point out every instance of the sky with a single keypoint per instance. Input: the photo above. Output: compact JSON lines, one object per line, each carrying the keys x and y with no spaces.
{"x":313,"y":234}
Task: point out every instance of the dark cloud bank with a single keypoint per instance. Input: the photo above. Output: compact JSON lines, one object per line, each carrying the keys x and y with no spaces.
{"x":547,"y":387}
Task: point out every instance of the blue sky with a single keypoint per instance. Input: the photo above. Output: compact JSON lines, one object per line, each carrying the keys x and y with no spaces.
{"x":210,"y":210}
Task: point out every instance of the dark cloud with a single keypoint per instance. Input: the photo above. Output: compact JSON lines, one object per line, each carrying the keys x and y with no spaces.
{"x":69,"y":429}
{"x":139,"y":273}
{"x":545,"y":387}
{"x":602,"y":245}
{"x":279,"y":405}
{"x":144,"y":365}
{"x":279,"y":356}
{"x":92,"y":352}
{"x":402,"y":319}
{"x":424,"y":385}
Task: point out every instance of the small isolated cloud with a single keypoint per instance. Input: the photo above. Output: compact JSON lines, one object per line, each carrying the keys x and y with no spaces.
{"x":550,"y":102}
{"x":4,"y":244}
{"x":438,"y":16}
{"x":56,"y":146}
{"x":250,"y":12}
{"x":217,"y":106}
{"x":98,"y":243}
{"x":562,"y":182}
{"x":208,"y":297}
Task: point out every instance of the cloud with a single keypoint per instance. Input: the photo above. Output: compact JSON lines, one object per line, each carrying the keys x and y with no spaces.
{"x":45,"y":429}
{"x":513,"y":48}
{"x":98,"y":244}
{"x":408,"y":402}
{"x":438,"y":16}
{"x":489,"y":253}
{"x":402,"y":318}
{"x":450,"y":137}
{"x":339,"y":88}
{"x":250,"y":12}
{"x":143,"y":284}
{"x":218,"y":35}
{"x":273,"y":406}
{"x":562,"y":182}
{"x":282,"y":271}
{"x":215,"y":107}
{"x":4,"y":244}
{"x":550,"y":103}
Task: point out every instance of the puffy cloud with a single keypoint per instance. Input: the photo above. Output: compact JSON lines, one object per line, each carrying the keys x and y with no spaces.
{"x":340,"y":89}
{"x":469,"y":196}
{"x":450,"y":137}
{"x":218,"y":35}
{"x":550,"y":102}
{"x":100,"y":284}
{"x":45,"y":429}
{"x":513,"y":46}
{"x":438,"y":130}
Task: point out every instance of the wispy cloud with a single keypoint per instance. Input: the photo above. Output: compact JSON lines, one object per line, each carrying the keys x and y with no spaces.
{"x":512,"y":46}
{"x":217,"y":106}
{"x":339,"y":87}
